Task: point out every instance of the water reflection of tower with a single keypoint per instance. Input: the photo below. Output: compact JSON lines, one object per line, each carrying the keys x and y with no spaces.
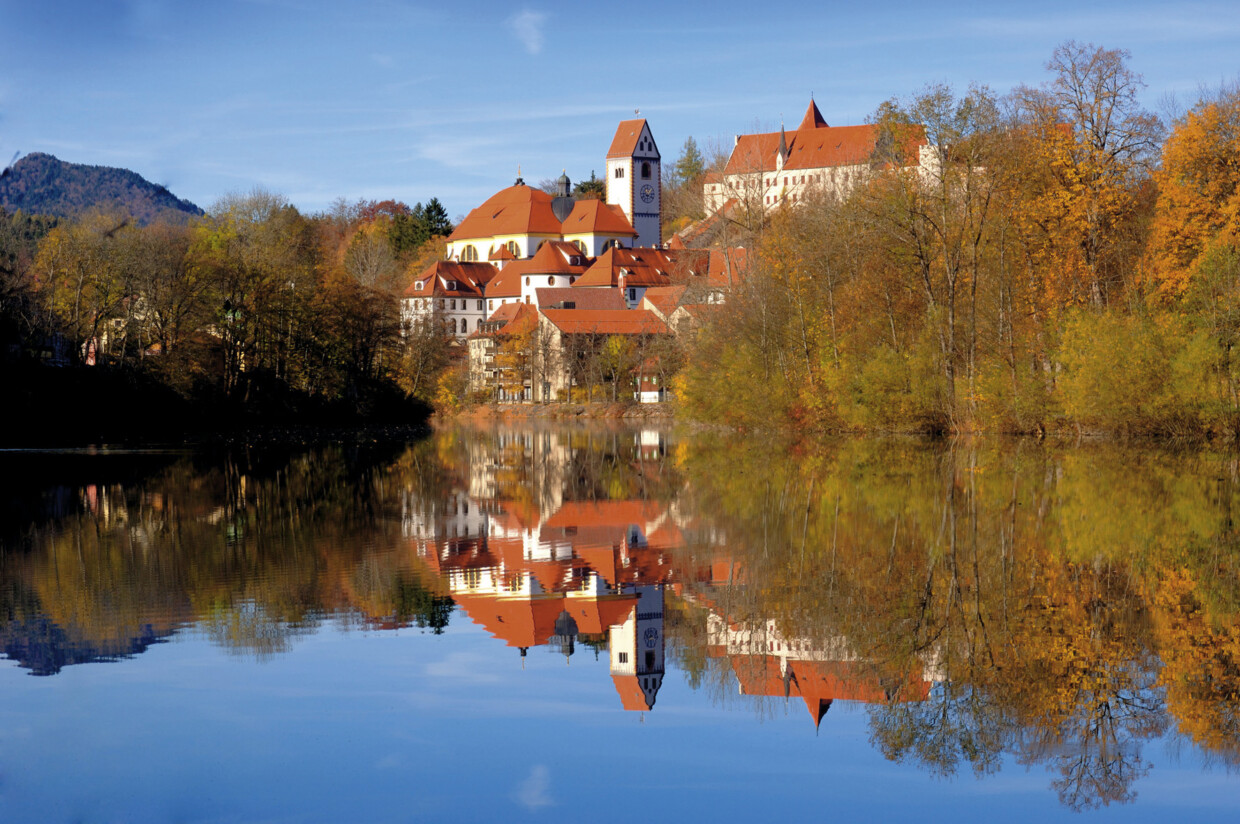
{"x":637,"y":649}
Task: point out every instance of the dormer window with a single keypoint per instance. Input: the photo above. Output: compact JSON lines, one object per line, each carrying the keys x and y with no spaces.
{"x":451,"y":284}
{"x":417,"y":287}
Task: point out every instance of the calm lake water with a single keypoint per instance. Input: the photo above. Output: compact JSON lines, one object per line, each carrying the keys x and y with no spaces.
{"x":607,"y":624}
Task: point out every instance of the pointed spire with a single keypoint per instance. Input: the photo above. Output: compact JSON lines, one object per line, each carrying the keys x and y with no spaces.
{"x":783,"y":145}
{"x":520,"y":180}
{"x":813,"y":118}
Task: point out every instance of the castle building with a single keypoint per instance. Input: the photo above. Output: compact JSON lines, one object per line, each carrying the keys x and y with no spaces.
{"x":773,"y":168}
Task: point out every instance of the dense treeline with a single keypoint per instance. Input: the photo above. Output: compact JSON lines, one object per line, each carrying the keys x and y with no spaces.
{"x":254,"y":308}
{"x":1053,"y":263}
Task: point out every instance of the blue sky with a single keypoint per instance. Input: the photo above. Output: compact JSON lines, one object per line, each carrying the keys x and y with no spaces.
{"x":407,"y":100}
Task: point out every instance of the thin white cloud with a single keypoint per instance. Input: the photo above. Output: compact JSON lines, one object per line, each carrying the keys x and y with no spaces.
{"x":527,"y":25}
{"x":534,"y":792}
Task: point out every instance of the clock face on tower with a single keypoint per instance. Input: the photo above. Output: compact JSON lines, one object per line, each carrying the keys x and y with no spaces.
{"x":647,"y":193}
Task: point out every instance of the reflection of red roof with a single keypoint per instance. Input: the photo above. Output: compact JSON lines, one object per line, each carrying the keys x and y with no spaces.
{"x":595,"y":616}
{"x":758,"y":674}
{"x":844,"y":680}
{"x":520,"y":622}
{"x":625,"y":141}
{"x":631,"y":695}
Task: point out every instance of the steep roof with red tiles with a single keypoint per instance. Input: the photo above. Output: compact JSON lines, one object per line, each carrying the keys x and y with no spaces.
{"x":524,"y":319}
{"x":603,"y":322}
{"x":813,"y":118}
{"x":447,"y":278}
{"x":663,"y":300}
{"x":594,"y":217}
{"x":554,"y":257}
{"x":638,"y":267}
{"x":727,"y":266}
{"x":517,"y":210}
{"x":627,"y":135}
{"x":814,"y":145}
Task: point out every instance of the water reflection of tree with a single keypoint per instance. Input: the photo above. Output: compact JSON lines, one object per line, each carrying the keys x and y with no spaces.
{"x":1031,"y":582}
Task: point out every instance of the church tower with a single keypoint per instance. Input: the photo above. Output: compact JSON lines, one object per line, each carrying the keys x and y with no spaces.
{"x":634,"y":175}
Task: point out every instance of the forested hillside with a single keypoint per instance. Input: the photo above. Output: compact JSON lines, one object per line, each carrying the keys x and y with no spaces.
{"x":41,"y":184}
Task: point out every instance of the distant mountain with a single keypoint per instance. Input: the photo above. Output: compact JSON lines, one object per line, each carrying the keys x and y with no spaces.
{"x":41,"y":184}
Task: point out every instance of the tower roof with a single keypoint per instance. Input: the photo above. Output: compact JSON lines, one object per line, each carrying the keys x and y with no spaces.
{"x":627,"y":135}
{"x":813,"y":118}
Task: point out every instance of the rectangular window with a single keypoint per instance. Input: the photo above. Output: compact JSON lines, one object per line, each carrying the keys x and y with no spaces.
{"x":480,"y":306}
{"x":623,"y":657}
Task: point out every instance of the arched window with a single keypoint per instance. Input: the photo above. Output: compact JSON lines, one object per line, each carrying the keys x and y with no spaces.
{"x":452,"y":326}
{"x":550,"y":280}
{"x":512,"y":246}
{"x":469,"y":254}
{"x":527,"y":280}
{"x":581,"y":246}
{"x":464,"y":325}
{"x":645,"y":170}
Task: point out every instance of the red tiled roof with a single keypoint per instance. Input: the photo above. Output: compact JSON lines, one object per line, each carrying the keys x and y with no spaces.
{"x":583,"y":298}
{"x":727,"y":265}
{"x":470,"y":278}
{"x":664,"y":299}
{"x":604,"y":322}
{"x":643,"y":267}
{"x":517,"y":210}
{"x":552,"y":258}
{"x":817,"y":148}
{"x":502,"y":253}
{"x":813,"y":118}
{"x":506,"y":311}
{"x":625,"y":141}
{"x":525,"y":319}
{"x":594,"y":217}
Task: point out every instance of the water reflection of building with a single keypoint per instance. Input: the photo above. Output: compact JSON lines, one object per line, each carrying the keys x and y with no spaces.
{"x":591,"y":573}
{"x":819,"y":671}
